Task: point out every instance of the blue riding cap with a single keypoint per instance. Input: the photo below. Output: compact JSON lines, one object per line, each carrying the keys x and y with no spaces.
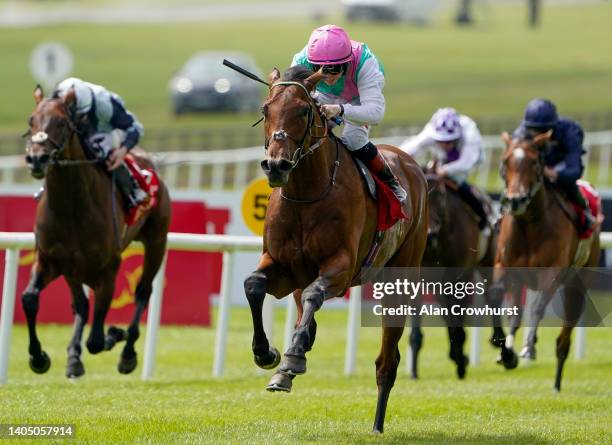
{"x":540,"y":113}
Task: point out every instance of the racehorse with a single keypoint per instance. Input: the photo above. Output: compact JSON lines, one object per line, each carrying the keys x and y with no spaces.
{"x":77,"y":228}
{"x":537,"y":230}
{"x":320,"y":224}
{"x":453,"y":241}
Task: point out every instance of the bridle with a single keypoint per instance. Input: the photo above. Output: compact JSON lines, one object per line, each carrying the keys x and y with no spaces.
{"x":301,"y":152}
{"x":42,"y":137}
{"x":533,"y":190}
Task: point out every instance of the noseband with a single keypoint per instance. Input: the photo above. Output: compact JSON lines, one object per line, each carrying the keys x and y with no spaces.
{"x":505,"y":201}
{"x":281,"y":135}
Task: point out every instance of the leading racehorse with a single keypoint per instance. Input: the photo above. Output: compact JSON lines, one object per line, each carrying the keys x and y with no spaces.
{"x":320,"y":224}
{"x":78,"y":235}
{"x":537,"y":231}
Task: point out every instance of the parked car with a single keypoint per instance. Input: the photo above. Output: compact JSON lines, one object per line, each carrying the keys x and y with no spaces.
{"x":415,"y":11}
{"x":205,"y":84}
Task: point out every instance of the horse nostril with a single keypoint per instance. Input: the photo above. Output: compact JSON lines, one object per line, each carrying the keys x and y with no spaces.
{"x":285,"y":165}
{"x":265,"y":166}
{"x":44,"y":159}
{"x":28,"y":159}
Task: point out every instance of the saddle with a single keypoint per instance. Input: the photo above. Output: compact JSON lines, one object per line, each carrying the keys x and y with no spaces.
{"x":575,"y":212}
{"x":390,"y":210}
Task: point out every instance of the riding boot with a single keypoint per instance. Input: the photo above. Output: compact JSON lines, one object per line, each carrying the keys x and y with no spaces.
{"x":377,"y":164}
{"x":466,"y":193}
{"x":126,"y":185}
{"x":576,"y":195}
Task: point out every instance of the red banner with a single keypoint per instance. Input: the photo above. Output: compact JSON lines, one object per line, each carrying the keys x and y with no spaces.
{"x":191,"y":277}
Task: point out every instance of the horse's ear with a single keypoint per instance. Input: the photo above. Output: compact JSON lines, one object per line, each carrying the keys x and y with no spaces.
{"x":69,"y":98}
{"x":506,"y":138}
{"x":541,"y":138}
{"x":312,"y":80}
{"x":38,"y":94}
{"x":274,"y":76}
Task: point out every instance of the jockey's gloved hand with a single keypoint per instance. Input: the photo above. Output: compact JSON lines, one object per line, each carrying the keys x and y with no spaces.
{"x":331,"y":111}
{"x":116,"y":157}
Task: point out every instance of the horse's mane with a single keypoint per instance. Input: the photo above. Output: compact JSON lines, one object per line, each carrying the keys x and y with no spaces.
{"x":297,"y":73}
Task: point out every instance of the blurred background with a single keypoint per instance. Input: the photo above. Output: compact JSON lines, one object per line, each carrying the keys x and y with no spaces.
{"x":486,"y":58}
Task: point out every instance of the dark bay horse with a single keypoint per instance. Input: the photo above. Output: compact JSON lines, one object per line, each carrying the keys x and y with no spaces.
{"x":453,"y":241}
{"x":536,"y":232}
{"x":78,"y":235}
{"x":320,"y":224}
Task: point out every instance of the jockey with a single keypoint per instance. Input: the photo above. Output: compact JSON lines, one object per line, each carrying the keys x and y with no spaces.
{"x":109,"y":130}
{"x":456,"y":142}
{"x":563,"y":154}
{"x":352,"y":90}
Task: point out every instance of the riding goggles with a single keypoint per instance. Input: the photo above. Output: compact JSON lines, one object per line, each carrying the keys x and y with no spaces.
{"x":331,"y":69}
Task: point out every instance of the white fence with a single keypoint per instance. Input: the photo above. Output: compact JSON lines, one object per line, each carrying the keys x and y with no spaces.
{"x":13,"y":242}
{"x":235,"y":168}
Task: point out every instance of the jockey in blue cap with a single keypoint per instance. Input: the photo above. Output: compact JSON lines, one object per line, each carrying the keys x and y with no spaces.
{"x":563,"y":154}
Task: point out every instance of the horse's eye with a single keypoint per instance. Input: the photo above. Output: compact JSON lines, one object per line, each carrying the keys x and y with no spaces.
{"x":30,"y":121}
{"x":264,"y":110}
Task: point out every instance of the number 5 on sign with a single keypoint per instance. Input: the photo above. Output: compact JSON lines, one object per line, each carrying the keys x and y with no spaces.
{"x":255,"y":204}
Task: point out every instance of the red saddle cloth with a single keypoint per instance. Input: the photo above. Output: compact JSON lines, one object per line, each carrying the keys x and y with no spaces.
{"x":149,"y":182}
{"x":594,"y":200}
{"x":390,"y":210}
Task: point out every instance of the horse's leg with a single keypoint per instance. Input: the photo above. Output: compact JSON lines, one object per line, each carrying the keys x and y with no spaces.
{"x":386,"y":372}
{"x":40,"y":278}
{"x":416,"y":343}
{"x":312,"y":328}
{"x":495,"y":301}
{"x":332,"y":281}
{"x":573,"y":302}
{"x":103,"y":294}
{"x":496,"y":291}
{"x":80,"y":309}
{"x":456,"y":335}
{"x":153,"y":256}
{"x":255,"y":288}
{"x":548,"y":280}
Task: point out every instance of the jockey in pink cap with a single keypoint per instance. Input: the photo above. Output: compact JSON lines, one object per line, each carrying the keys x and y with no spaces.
{"x":351,"y":89}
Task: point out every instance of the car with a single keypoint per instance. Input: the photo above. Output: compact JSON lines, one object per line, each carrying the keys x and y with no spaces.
{"x":205,"y":84}
{"x":414,"y":11}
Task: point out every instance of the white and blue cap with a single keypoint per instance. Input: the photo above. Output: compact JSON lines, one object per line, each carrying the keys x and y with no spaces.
{"x":446,"y":126}
{"x":83,"y":94}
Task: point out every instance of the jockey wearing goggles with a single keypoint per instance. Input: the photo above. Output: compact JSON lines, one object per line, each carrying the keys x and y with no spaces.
{"x":108,"y":129}
{"x":457,"y":144}
{"x":351,"y":89}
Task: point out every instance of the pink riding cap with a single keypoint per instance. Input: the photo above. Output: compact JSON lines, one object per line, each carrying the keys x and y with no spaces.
{"x":329,"y":45}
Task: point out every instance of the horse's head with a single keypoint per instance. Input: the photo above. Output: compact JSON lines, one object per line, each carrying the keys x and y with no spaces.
{"x":436,"y":196}
{"x":290,"y":114}
{"x":522,"y":169}
{"x":49,"y":130}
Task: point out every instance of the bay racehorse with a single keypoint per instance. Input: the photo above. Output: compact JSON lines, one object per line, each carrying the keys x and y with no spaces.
{"x":453,"y":242}
{"x":320,"y":224}
{"x":537,"y":231}
{"x":78,"y":235}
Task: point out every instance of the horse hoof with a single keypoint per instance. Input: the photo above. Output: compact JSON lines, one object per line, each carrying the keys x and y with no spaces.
{"x":280,"y":382}
{"x":269,"y":360}
{"x":497,"y":341}
{"x":509,"y":359}
{"x":113,"y":336}
{"x":75,"y":368}
{"x":95,"y":346}
{"x":40,"y":364}
{"x":462,"y":367}
{"x":528,"y":353}
{"x":127,"y":365}
{"x":293,"y":364}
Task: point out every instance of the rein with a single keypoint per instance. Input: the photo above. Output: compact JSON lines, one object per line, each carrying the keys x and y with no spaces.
{"x":301,"y":152}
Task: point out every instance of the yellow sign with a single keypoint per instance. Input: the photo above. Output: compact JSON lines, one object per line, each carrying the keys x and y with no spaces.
{"x":255,"y":204}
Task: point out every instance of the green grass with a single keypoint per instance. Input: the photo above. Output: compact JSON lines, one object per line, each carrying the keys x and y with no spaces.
{"x":491,"y":69}
{"x":184,"y":404}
